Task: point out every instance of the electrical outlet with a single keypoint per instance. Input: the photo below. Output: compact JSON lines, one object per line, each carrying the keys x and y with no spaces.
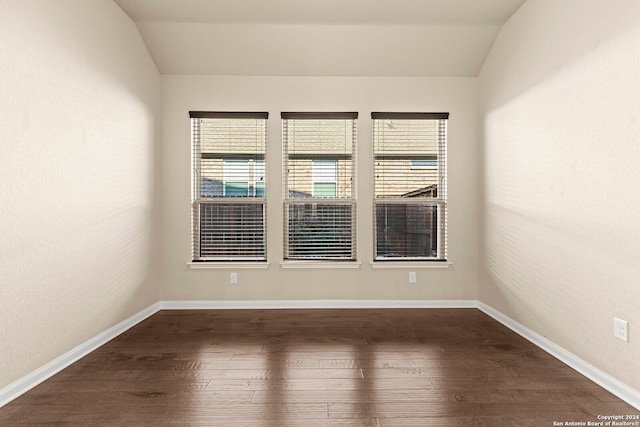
{"x":621,"y":329}
{"x":412,"y":277}
{"x":233,"y":278}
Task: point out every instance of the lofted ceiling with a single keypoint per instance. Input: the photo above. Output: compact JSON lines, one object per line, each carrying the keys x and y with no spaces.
{"x":320,"y":37}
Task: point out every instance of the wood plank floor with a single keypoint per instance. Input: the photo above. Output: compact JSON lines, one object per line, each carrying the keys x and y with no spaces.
{"x":410,"y":367}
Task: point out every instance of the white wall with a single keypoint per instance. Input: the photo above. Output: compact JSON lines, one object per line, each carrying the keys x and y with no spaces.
{"x":560,"y":111}
{"x":276,"y":94}
{"x":78,"y":102}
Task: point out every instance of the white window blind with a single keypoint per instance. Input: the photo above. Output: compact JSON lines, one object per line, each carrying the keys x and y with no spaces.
{"x":228,"y":194}
{"x":319,"y":152}
{"x":410,"y":189}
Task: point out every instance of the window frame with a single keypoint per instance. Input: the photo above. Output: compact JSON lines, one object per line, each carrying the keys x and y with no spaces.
{"x":243,"y":203}
{"x":437,"y":199}
{"x":293,"y":200}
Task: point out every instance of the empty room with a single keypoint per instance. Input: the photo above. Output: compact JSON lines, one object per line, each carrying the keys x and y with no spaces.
{"x":320,"y":212}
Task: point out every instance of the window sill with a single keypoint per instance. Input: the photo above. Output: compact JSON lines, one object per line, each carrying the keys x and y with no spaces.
{"x":228,"y":265}
{"x":410,"y":264}
{"x":320,"y":264}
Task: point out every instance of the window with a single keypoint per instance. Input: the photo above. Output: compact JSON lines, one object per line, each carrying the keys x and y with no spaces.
{"x":319,"y":152}
{"x":325,"y":178}
{"x":427,"y":163}
{"x":410,"y":190}
{"x":243,"y":177}
{"x":228,"y":194}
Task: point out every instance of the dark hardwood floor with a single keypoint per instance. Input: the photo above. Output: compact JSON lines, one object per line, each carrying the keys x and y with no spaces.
{"x":411,"y":367}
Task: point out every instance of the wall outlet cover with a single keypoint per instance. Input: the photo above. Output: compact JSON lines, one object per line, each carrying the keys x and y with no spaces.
{"x":621,"y":329}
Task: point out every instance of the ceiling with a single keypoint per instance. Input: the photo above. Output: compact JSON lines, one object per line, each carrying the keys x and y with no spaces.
{"x":320,"y":37}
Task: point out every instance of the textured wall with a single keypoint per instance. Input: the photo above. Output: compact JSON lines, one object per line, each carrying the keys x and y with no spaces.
{"x":560,"y":239}
{"x":364,"y":95}
{"x":78,"y":102}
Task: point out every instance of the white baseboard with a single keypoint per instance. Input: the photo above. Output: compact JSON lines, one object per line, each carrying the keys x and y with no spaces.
{"x":318,"y":304}
{"x":26,"y":383}
{"x":606,"y":381}
{"x":29,"y":381}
